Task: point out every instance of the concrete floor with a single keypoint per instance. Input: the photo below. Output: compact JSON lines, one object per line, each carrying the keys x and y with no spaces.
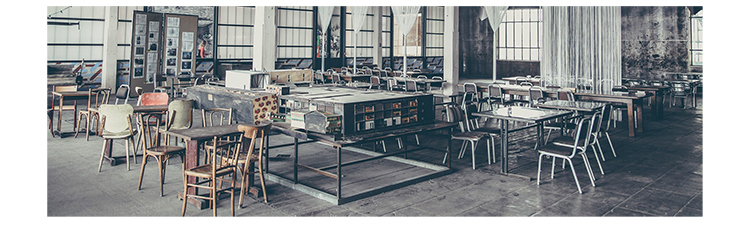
{"x":658,"y":173}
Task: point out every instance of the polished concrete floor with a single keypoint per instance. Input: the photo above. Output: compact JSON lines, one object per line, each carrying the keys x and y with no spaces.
{"x":657,"y":173}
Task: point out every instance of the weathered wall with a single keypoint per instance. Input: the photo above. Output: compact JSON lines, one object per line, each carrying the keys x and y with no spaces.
{"x":475,"y":38}
{"x":655,"y":39}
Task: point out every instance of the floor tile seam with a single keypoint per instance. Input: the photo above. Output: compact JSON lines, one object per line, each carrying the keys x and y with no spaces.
{"x":408,"y":206}
{"x":553,"y":204}
{"x":643,"y":188}
{"x":435,"y":196}
{"x":639,"y":211}
{"x":688,"y":203}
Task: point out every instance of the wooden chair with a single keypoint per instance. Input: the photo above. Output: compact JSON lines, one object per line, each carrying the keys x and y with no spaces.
{"x":223,"y":162}
{"x":216,"y":117}
{"x":116,"y":124}
{"x":151,"y":148}
{"x":249,"y":156}
{"x":97,"y":97}
{"x":153,"y":98}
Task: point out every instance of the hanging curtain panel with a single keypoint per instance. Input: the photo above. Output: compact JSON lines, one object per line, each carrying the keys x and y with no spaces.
{"x":495,"y":14}
{"x":405,"y":17}
{"x":324,"y":19}
{"x":359,"y":14}
{"x":581,"y":47}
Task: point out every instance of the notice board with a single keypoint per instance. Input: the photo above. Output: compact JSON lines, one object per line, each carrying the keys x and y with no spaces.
{"x":163,"y":45}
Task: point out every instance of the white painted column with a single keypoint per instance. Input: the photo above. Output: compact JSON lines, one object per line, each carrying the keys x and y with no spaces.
{"x":377,"y":55}
{"x":450,"y":50}
{"x":264,"y":38}
{"x":109,"y":59}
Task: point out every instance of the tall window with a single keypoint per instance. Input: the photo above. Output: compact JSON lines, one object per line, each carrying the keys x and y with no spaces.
{"x":434,"y":31}
{"x":235,"y":35}
{"x":78,"y":33}
{"x":364,"y":37}
{"x":520,"y":34}
{"x":294,"y":31}
{"x":413,"y":39}
{"x":696,"y":38}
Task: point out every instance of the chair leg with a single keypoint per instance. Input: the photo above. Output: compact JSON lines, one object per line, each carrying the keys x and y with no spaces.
{"x":160,"y":161}
{"x":213,"y":195}
{"x":489,"y":155}
{"x":262,"y":181}
{"x":79,"y":124}
{"x":101,"y":159}
{"x":574,"y":175}
{"x":143,"y":168}
{"x":552,"y":173}
{"x":184,"y":191}
{"x":539,"y":168}
{"x":494,"y":154}
{"x":473,"y":156}
{"x":231,"y":192}
{"x":88,"y":124}
{"x":588,"y":169}
{"x":610,"y":144}
{"x":597,"y":159}
{"x":127,"y":155}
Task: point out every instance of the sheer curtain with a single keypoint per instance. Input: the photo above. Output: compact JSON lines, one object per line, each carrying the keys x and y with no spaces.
{"x":324,"y":19}
{"x":359,"y":14}
{"x":405,"y":16}
{"x":495,"y":14}
{"x":581,"y":47}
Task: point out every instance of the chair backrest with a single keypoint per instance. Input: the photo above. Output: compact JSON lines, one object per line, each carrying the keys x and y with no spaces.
{"x":620,"y":88}
{"x":680,"y":88}
{"x":138,"y":90}
{"x":535,"y":94}
{"x":388,"y":69}
{"x":65,"y":88}
{"x":495,"y":91}
{"x":252,"y":133}
{"x":368,"y":71}
{"x":98,"y":96}
{"x":656,"y":83}
{"x":454,"y":114}
{"x":566,"y":95}
{"x":392,"y":83}
{"x":411,"y":85}
{"x":123,"y":93}
{"x":149,"y":136}
{"x":153,"y":99}
{"x":606,"y":117}
{"x":180,"y":114}
{"x":374,"y":80}
{"x":383,"y":73}
{"x":336,"y":77}
{"x":115,"y":118}
{"x":318,"y":77}
{"x":421,"y":77}
{"x":526,"y":84}
{"x":583,"y":131}
{"x":217,"y":116}
{"x":470,"y":87}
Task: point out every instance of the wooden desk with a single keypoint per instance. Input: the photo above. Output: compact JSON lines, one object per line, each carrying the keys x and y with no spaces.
{"x":521,"y":114}
{"x":75,"y":95}
{"x":657,"y":107}
{"x":634,"y":102}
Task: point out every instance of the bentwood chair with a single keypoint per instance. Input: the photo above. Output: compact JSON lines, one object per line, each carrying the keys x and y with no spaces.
{"x":61,"y":107}
{"x":97,"y":97}
{"x":152,"y":148}
{"x":581,"y":139}
{"x":223,"y":163}
{"x":249,"y":156}
{"x":116,"y":124}
{"x":216,"y":117}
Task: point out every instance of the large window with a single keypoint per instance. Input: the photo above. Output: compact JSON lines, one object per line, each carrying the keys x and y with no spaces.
{"x":75,"y":33}
{"x":364,"y":37}
{"x":520,"y":34}
{"x":294,"y":34}
{"x":696,"y":38}
{"x":235,"y":35}
{"x":413,"y":38}
{"x":434,"y":31}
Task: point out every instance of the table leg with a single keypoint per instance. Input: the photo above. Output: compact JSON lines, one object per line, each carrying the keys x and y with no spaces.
{"x":504,"y":146}
{"x":52,"y":117}
{"x":59,"y":117}
{"x":191,"y":161}
{"x":631,"y":120}
{"x":338,"y":173}
{"x":657,"y":107}
{"x":450,"y":146}
{"x":639,"y":114}
{"x":296,"y":153}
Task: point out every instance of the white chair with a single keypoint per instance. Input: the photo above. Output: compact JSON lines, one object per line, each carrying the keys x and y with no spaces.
{"x":116,"y":124}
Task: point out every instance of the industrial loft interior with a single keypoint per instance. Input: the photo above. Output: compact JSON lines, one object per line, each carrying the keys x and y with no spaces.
{"x":378,"y":111}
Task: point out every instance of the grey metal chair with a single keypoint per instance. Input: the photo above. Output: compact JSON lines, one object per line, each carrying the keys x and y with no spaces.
{"x":469,"y":137}
{"x":581,"y":139}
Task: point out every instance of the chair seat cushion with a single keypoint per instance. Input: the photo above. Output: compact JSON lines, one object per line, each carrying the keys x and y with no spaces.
{"x":555,"y":150}
{"x":469,"y":136}
{"x":204,"y":171}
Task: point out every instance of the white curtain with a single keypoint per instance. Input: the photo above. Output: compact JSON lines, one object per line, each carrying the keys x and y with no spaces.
{"x":405,"y":16}
{"x":495,"y":14}
{"x":581,"y":47}
{"x":359,"y":14}
{"x":324,"y":19}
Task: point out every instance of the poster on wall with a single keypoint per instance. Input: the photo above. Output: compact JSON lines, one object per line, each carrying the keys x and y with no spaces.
{"x":153,"y":26}
{"x":173,"y":22}
{"x":153,"y":37}
{"x":187,"y":65}
{"x":187,"y":55}
{"x":140,"y":29}
{"x":139,"y":51}
{"x":140,"y":40}
{"x":173,"y":32}
{"x":171,"y":72}
{"x":171,"y":62}
{"x":172,"y":42}
{"x":140,"y":19}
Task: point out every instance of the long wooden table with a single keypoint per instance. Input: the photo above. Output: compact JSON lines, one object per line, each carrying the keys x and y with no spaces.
{"x":657,"y":106}
{"x":633,"y":100}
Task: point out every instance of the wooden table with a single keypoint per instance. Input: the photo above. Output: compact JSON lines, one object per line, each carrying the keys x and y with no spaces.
{"x":657,"y":107}
{"x":583,"y":106}
{"x":337,"y":144}
{"x":515,"y":80}
{"x":193,"y":137}
{"x":633,"y":100}
{"x":75,"y":95}
{"x":520,"y":114}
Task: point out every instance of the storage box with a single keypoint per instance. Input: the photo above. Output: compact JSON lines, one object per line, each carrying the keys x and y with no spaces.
{"x":325,"y":123}
{"x":277,"y":89}
{"x":297,"y":119}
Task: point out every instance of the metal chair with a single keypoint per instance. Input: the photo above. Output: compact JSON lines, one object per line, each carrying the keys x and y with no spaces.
{"x":583,"y":132}
{"x":596,"y":125}
{"x":436,"y":84}
{"x":375,"y":82}
{"x":681,"y":90}
{"x":472,"y":87}
{"x":469,"y":137}
{"x":410,"y":85}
